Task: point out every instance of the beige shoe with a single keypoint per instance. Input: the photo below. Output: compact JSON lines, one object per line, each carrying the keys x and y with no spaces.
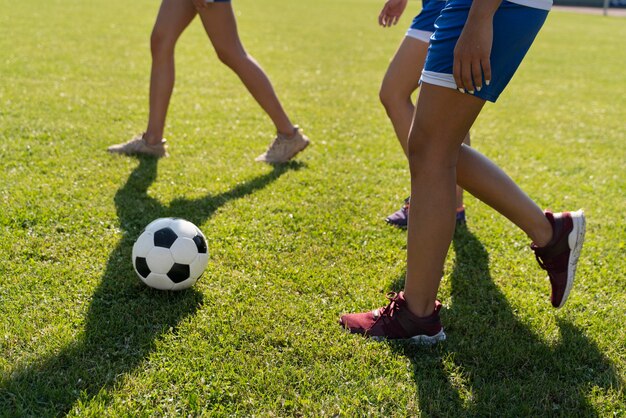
{"x":284,"y":148}
{"x":138,"y":146}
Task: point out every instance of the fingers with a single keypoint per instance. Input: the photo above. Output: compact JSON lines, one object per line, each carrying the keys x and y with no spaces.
{"x":469,"y":73}
{"x":388,"y":17}
{"x":386,"y":20}
{"x":466,"y":77}
{"x":486,"y":65}
{"x":382,"y":15}
{"x":477,"y":75}
{"x":456,"y":73}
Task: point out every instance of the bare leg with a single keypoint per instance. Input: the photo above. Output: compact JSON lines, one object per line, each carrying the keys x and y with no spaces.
{"x":485,"y":180}
{"x":221,"y":27}
{"x":435,"y":152}
{"x":399,"y":83}
{"x":174,"y":16}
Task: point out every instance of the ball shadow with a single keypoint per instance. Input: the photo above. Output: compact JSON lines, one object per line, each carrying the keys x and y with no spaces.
{"x":125,"y":318}
{"x":493,"y":364}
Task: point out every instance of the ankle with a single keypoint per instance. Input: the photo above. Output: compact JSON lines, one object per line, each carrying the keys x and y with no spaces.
{"x":289,"y":133}
{"x":542,"y":235}
{"x":152,"y":139}
{"x":421,"y":308}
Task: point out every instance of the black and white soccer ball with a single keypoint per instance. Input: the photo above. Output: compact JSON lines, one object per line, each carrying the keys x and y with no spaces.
{"x":170,"y":254}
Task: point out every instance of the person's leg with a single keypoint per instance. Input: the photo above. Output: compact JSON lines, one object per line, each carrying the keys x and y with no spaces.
{"x":400,"y":81}
{"x":438,"y":161}
{"x":460,"y":207}
{"x":486,"y":181}
{"x":434,"y":142}
{"x":174,"y":16}
{"x":221,"y":27}
{"x":435,"y":165}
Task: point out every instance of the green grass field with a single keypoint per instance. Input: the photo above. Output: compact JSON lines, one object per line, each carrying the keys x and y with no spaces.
{"x":293,"y":247}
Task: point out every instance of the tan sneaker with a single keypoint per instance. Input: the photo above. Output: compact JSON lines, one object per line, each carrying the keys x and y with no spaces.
{"x":138,"y":146}
{"x":284,"y":148}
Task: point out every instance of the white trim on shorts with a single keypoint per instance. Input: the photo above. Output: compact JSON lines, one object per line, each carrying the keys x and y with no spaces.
{"x":535,"y":4}
{"x":438,"y":79}
{"x":422,"y":35}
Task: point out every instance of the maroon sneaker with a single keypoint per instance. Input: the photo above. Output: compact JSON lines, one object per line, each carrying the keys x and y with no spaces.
{"x":560,"y":256}
{"x":396,"y":322}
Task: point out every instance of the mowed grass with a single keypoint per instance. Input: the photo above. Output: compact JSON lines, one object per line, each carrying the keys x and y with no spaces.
{"x":293,"y":247}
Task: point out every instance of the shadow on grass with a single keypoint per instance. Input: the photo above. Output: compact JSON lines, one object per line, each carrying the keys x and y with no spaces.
{"x":494,"y":365}
{"x":125,"y":318}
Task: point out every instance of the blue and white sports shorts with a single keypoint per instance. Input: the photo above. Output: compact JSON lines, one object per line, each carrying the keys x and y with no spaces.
{"x":424,"y":23}
{"x":514,"y":30}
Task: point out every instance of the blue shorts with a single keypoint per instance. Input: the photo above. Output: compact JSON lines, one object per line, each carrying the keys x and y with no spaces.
{"x":424,"y":23}
{"x":514,"y":30}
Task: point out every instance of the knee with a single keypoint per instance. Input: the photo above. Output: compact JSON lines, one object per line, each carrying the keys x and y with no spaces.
{"x":161,"y":44}
{"x":427,"y":151}
{"x":230,"y":55}
{"x":417,"y":150}
{"x":388,"y":97}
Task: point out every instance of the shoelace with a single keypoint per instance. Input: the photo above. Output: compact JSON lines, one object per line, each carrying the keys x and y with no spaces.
{"x":276,"y":144}
{"x":392,"y":308}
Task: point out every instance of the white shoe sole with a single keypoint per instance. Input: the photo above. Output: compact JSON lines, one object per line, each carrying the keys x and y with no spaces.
{"x":575,"y":241}
{"x":264,"y":159}
{"x":421,"y":339}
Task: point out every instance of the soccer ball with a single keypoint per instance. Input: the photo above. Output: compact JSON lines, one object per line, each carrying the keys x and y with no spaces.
{"x":170,"y":254}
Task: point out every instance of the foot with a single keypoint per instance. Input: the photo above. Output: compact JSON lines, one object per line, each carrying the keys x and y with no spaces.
{"x":400,"y":218}
{"x":139,"y":146}
{"x":396,"y":322}
{"x":560,"y":256}
{"x":460,"y":215}
{"x":284,"y":148}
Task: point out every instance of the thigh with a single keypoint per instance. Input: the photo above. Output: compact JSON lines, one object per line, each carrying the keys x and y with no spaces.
{"x":220,"y":25}
{"x":405,"y":69}
{"x":174,"y":16}
{"x":442,"y":119}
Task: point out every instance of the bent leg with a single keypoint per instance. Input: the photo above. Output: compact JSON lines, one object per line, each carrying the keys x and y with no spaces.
{"x":221,"y":27}
{"x":400,"y":81}
{"x":485,"y":180}
{"x":174,"y":16}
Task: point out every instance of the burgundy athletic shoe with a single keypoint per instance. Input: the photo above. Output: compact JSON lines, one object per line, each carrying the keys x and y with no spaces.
{"x":560,"y":256}
{"x":396,"y":322}
{"x":400,"y":218}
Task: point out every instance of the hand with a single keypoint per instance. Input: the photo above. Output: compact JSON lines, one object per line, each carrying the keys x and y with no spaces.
{"x":472,"y":55}
{"x":391,"y":12}
{"x":200,"y":4}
